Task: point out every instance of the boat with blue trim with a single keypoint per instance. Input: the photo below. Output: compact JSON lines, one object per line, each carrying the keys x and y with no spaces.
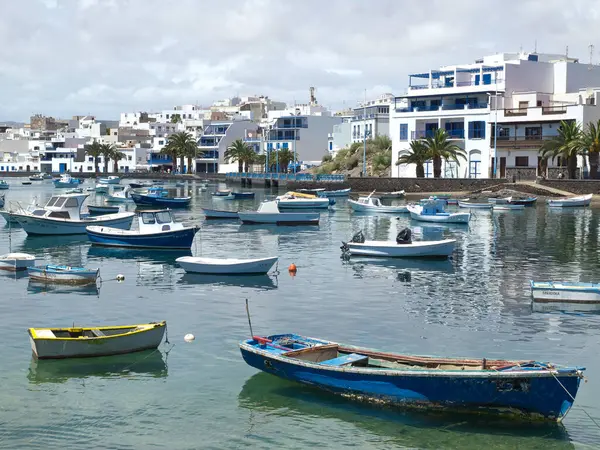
{"x":158,"y":196}
{"x":525,"y":389}
{"x":66,"y":181}
{"x":113,"y":179}
{"x":157,"y":229}
{"x":432,"y":210}
{"x":4,"y":185}
{"x":243,"y":195}
{"x":565,"y":292}
{"x":63,"y":274}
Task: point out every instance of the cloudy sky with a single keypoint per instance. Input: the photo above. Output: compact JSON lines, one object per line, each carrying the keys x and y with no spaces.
{"x":67,"y":57}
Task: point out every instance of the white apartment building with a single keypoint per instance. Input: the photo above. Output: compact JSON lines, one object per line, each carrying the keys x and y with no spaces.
{"x":526,"y":93}
{"x":341,"y":135}
{"x":371,"y":117}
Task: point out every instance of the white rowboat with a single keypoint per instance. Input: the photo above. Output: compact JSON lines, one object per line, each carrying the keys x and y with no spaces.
{"x":430,"y":213}
{"x":14,"y":262}
{"x":269,"y":213}
{"x":373,"y":204}
{"x":565,"y":292}
{"x":418,"y":249}
{"x":582,"y":200}
{"x":226,"y":266}
{"x":462,"y":204}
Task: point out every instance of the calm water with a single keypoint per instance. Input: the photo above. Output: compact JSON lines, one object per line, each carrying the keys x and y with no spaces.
{"x":202,"y":394}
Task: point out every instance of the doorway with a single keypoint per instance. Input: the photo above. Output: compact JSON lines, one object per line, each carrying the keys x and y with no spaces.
{"x":503,"y":167}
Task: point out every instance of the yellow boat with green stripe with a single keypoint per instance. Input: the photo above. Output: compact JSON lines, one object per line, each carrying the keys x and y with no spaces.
{"x":84,"y":342}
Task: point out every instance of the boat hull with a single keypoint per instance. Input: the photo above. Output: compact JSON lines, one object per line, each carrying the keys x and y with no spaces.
{"x":66,"y":277}
{"x":49,"y":226}
{"x":319,"y":203}
{"x":140,"y":199}
{"x":508,"y":207}
{"x":475,"y":205}
{"x":441,"y":218}
{"x":16,"y":262}
{"x":421,"y":249}
{"x":111,"y":237}
{"x":520,"y":394}
{"x":89,"y":347}
{"x":103,"y":209}
{"x":243,"y":195}
{"x":219,"y":214}
{"x":280,"y":218}
{"x":555,"y":292}
{"x":9,"y":217}
{"x":193,"y":264}
{"x":109,"y":180}
{"x":359,"y":207}
{"x":572,"y":202}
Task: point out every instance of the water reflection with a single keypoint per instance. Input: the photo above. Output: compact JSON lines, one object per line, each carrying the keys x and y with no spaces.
{"x":40,"y":287}
{"x":264,"y":282}
{"x":53,"y":244}
{"x":565,"y":308}
{"x":146,"y":364}
{"x":364,"y":265}
{"x":263,"y":393}
{"x":149,"y":255}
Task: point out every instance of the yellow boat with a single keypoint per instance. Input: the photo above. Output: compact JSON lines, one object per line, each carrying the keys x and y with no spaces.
{"x":56,"y":343}
{"x":300,"y":194}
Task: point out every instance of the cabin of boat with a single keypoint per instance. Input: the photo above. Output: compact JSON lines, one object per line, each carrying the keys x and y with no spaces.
{"x":155,"y":221}
{"x":65,"y":206}
{"x":432,"y":207}
{"x":370,"y":201}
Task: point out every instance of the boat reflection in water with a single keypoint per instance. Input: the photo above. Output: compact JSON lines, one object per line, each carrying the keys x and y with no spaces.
{"x":265,"y":282}
{"x":138,"y":255}
{"x":41,"y":287}
{"x":364,"y":266}
{"x":53,"y":244}
{"x":275,"y":397}
{"x":558,"y":307}
{"x":146,"y":364}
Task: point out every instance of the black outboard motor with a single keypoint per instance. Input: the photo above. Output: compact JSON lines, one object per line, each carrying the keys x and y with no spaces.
{"x":404,"y":237}
{"x":359,"y":237}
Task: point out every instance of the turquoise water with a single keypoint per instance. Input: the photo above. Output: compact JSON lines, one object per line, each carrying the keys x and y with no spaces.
{"x":202,"y":394}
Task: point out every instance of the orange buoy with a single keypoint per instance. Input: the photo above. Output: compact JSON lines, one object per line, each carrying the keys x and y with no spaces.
{"x":292,"y":268}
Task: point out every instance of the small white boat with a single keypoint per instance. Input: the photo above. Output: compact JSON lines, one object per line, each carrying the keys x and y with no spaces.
{"x":110,"y":180}
{"x":268,"y":213}
{"x":102,"y":189}
{"x":499,"y":200}
{"x":373,"y":204}
{"x":226,"y":266}
{"x":508,"y":207}
{"x":62,"y":215}
{"x":37,"y":177}
{"x":432,"y":212}
{"x":469,"y":205}
{"x":119,"y":197}
{"x":66,"y":181}
{"x":565,"y":292}
{"x":401,"y":248}
{"x":4,"y":184}
{"x":63,"y":274}
{"x":391,"y":195}
{"x":14,"y":262}
{"x":224,"y":197}
{"x":582,"y":200}
{"x":219,"y":214}
{"x":82,"y":342}
{"x":291,"y":201}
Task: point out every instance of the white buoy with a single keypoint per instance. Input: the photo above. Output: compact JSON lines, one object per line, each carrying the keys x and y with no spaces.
{"x":120,"y":277}
{"x":189,"y":337}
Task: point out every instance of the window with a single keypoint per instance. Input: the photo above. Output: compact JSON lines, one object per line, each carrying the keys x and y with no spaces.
{"x":404,"y":132}
{"x":523,"y":105}
{"x":60,"y":214}
{"x":71,"y":202}
{"x":161,"y":142}
{"x":539,"y":103}
{"x":90,"y":168}
{"x":148,"y":218}
{"x":91,"y":159}
{"x":521,"y":161}
{"x":52,"y":201}
{"x":477,"y":130}
{"x":533,"y":132}
{"x":129,"y":158}
{"x":163,"y":217}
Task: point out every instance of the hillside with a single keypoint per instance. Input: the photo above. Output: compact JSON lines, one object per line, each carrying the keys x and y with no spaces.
{"x":349,"y":161}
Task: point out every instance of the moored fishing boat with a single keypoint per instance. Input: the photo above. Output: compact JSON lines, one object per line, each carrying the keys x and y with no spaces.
{"x":527,"y":389}
{"x":402,"y":247}
{"x":63,"y":274}
{"x":570,"y":202}
{"x":102,"y":188}
{"x":391,"y":195}
{"x":565,"y":292}
{"x":156,"y":229}
{"x":221,"y":193}
{"x":82,"y":342}
{"x":268,"y":213}
{"x":473,"y":205}
{"x":526,"y":201}
{"x":243,"y":195}
{"x":227,"y":266}
{"x":373,"y":204}
{"x":15,"y":262}
{"x":291,"y":201}
{"x":113,"y":179}
{"x":123,"y":196}
{"x":159,"y":197}
{"x":335,"y":193}
{"x":66,"y":181}
{"x":37,"y":177}
{"x":219,"y":214}
{"x":96,"y":209}
{"x":4,"y":185}
{"x":499,"y":200}
{"x":62,"y":215}
{"x":433,"y":212}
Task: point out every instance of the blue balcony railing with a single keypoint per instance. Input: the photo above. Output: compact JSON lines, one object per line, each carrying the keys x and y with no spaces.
{"x":286,"y":176}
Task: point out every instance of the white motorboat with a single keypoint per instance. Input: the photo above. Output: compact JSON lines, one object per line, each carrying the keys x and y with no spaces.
{"x":403,"y":247}
{"x":110,"y":180}
{"x":582,"y":200}
{"x":508,"y":207}
{"x":62,"y":215}
{"x":268,"y":213}
{"x":291,"y":201}
{"x":469,"y":205}
{"x":391,"y":195}
{"x":433,"y":212}
{"x":14,"y":262}
{"x":67,"y":181}
{"x":565,"y":292}
{"x":373,"y":204}
{"x":79,"y":342}
{"x":226,"y":266}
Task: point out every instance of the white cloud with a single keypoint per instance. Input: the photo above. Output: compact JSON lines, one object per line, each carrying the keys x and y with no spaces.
{"x":64,"y":57}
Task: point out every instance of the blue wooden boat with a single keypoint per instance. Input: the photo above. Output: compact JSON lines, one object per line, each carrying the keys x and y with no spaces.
{"x":243,"y":195}
{"x":96,"y":210}
{"x":525,"y":389}
{"x":157,"y":229}
{"x":335,"y":193}
{"x":66,"y":181}
{"x":63,"y":274}
{"x":159,"y":197}
{"x":526,"y":201}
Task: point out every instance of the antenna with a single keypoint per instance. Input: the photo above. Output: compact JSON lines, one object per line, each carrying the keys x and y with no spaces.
{"x":567,"y":51}
{"x":535,"y":46}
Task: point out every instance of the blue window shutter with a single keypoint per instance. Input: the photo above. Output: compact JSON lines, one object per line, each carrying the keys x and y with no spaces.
{"x":471,"y":130}
{"x":477,"y":79}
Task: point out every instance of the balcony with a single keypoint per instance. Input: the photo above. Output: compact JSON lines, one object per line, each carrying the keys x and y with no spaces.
{"x":533,"y":142}
{"x":423,"y":134}
{"x":554,"y":110}
{"x":446,"y":107}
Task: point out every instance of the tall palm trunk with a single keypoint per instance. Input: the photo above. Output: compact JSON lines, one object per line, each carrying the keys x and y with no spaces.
{"x":572,"y":166}
{"x":189,"y":164}
{"x":437,"y":167}
{"x":181,"y":163}
{"x":105,"y":164}
{"x":594,"y":159}
{"x":95,"y":164}
{"x":420,"y":171}
{"x":240,"y":165}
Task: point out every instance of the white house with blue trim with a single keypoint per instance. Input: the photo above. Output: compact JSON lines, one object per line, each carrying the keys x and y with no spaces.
{"x":468,"y":100}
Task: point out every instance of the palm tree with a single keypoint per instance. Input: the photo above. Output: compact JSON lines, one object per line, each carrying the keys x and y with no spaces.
{"x":95,"y":150}
{"x":107,"y":153}
{"x":439,"y":147}
{"x":590,"y":142}
{"x":285,"y":158}
{"x":170,"y":151}
{"x":567,"y":144}
{"x":182,"y":145}
{"x":116,"y":157}
{"x":241,"y":152}
{"x":261,"y":160}
{"x":417,"y":155}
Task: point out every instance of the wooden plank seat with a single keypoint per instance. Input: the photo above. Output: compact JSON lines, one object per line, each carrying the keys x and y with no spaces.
{"x":347,"y":360}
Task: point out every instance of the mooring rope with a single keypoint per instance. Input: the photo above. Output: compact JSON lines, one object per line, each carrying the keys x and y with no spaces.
{"x":573,"y":398}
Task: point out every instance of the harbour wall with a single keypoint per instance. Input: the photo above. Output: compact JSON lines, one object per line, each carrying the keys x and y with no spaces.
{"x":573,"y":186}
{"x":137,"y":175}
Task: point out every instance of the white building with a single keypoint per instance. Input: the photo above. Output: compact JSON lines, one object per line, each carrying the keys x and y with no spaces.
{"x":341,"y":135}
{"x":372,"y":117}
{"x":533,"y":91}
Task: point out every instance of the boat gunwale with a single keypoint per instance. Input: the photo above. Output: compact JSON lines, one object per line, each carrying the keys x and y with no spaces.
{"x":33,"y":334}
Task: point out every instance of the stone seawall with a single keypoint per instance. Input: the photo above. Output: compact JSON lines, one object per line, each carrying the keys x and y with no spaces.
{"x":573,"y":186}
{"x":406,"y":184}
{"x":138,"y":175}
